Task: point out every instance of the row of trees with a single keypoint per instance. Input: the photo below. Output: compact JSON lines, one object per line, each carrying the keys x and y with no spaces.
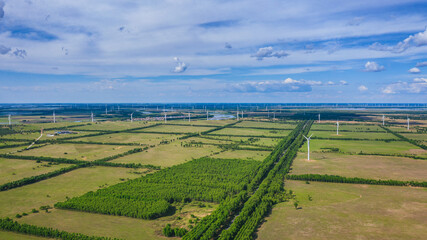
{"x":13,"y":226}
{"x":149,"y":197}
{"x":211,"y":225}
{"x":270,"y":192}
{"x":38,"y":178}
{"x":356,"y":180}
{"x":208,"y":131}
{"x":412,"y":141}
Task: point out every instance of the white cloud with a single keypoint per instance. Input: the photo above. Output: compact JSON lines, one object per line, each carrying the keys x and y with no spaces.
{"x":373,"y":67}
{"x":421,"y":64}
{"x":287,"y":85}
{"x":419,"y":85}
{"x":416,"y":40}
{"x":267,"y":52}
{"x":342,"y":82}
{"x":414,"y":70}
{"x":1,"y":9}
{"x":180,"y":66}
{"x":362,"y":88}
{"x":4,"y":49}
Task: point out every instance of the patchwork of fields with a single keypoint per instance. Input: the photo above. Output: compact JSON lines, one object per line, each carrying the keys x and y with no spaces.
{"x":128,"y":180}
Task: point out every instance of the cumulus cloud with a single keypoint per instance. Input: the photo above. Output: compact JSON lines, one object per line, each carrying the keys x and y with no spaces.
{"x":228,"y":45}
{"x":421,"y":64}
{"x":180,"y":66}
{"x":414,"y":70}
{"x":1,"y":9}
{"x":373,"y":67}
{"x":362,"y":88}
{"x":268,"y":52}
{"x":287,"y":85}
{"x":418,"y":85}
{"x":342,"y":82}
{"x":4,"y":49}
{"x":20,"y":53}
{"x":416,"y":40}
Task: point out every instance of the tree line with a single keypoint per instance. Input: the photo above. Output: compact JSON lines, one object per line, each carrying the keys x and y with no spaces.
{"x":411,"y":141}
{"x":356,"y":180}
{"x":13,"y":226}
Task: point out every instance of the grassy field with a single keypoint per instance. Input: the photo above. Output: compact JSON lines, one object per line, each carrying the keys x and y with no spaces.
{"x":113,"y":125}
{"x":348,"y":211}
{"x":243,"y":154}
{"x":86,"y":152}
{"x":252,"y":132}
{"x":33,"y":135}
{"x":168,"y":154}
{"x":357,"y":135}
{"x":372,"y":167}
{"x":347,"y":127}
{"x":263,"y":124}
{"x":176,"y":129}
{"x":50,"y":191}
{"x":365,"y":146}
{"x":141,"y":138}
{"x":16,"y":236}
{"x":417,"y":136}
{"x":258,"y":141}
{"x":114,"y":226}
{"x":214,"y":123}
{"x":14,"y":169}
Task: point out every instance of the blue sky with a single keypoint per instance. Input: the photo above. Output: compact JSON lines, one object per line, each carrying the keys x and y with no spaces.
{"x":213,"y":51}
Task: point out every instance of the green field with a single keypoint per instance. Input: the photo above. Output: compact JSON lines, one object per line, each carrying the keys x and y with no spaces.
{"x":166,"y":155}
{"x":243,"y":154}
{"x":113,"y":126}
{"x":372,"y":167}
{"x":356,"y":135}
{"x":347,"y":127}
{"x":86,"y":152}
{"x":49,"y":192}
{"x":176,"y":129}
{"x":140,"y":138}
{"x":264,"y":124}
{"x":14,"y":169}
{"x":252,"y":132}
{"x":18,"y":236}
{"x":393,"y":147}
{"x":348,"y":211}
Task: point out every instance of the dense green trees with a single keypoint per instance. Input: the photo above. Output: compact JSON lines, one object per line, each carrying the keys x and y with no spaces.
{"x":412,"y":141}
{"x":150,"y":196}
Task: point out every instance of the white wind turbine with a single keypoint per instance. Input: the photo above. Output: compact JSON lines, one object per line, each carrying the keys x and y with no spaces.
{"x":166,"y":120}
{"x":10,"y":120}
{"x":308,"y":146}
{"x":237,"y":115}
{"x":189,"y":117}
{"x":91,"y":116}
{"x":319,"y":117}
{"x":131,"y":117}
{"x":54,"y":117}
{"x":383,"y":119}
{"x":207,"y":115}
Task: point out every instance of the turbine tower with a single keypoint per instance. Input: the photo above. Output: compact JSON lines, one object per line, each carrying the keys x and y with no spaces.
{"x":408,"y":121}
{"x":131,"y":117}
{"x":165,"y":118}
{"x":308,"y":146}
{"x":319,"y":117}
{"x":10,"y":120}
{"x":237,"y":115}
{"x":207,"y":115}
{"x":338,"y":125}
{"x":189,"y":117}
{"x":91,"y":116}
{"x":106,"y":110}
{"x":383,"y":119}
{"x":54,"y":117}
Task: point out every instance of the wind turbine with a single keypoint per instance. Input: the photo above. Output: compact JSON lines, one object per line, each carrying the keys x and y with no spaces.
{"x":383,"y":119}
{"x":131,"y":117}
{"x":10,"y":120}
{"x":165,"y":118}
{"x":338,"y":125}
{"x":91,"y":116}
{"x":54,"y":117}
{"x":207,"y":115}
{"x":237,"y":115}
{"x":106,"y":110}
{"x":308,"y":146}
{"x":319,"y":117}
{"x":189,"y":117}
